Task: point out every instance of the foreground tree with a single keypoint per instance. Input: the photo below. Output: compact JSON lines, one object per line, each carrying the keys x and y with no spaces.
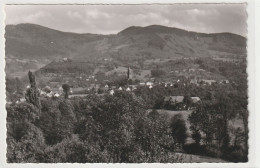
{"x":178,"y":129}
{"x":33,"y":94}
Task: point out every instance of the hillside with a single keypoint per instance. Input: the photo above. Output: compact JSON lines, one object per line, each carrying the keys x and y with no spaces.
{"x":40,"y":45}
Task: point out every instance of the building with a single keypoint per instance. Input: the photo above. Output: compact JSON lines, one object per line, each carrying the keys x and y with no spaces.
{"x":195,"y":99}
{"x":142,"y":83}
{"x":22,"y":100}
{"x":79,"y":90}
{"x":224,"y":81}
{"x":112,"y":92}
{"x":149,"y":83}
{"x":56,"y":95}
{"x":210,"y":82}
{"x":173,"y":99}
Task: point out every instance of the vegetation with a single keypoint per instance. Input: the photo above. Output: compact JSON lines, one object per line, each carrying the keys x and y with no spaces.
{"x":66,"y":89}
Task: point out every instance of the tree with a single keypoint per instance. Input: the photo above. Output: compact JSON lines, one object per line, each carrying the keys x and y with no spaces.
{"x":25,"y":141}
{"x":66,"y":90}
{"x":196,"y":136}
{"x":187,"y":100}
{"x":32,"y":94}
{"x":116,"y":115}
{"x":178,"y":129}
{"x":211,"y":120}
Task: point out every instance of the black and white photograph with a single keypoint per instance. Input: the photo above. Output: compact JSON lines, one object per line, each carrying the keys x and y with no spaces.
{"x":131,"y":83}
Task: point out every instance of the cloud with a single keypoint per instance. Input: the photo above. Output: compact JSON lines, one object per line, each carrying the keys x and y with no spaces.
{"x":74,"y":15}
{"x":106,"y":19}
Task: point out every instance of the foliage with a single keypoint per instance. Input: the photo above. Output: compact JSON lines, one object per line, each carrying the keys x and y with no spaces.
{"x":122,"y":128}
{"x":178,"y":129}
{"x":66,"y":89}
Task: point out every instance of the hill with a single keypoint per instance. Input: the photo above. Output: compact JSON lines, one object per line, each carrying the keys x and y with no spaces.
{"x":40,"y":45}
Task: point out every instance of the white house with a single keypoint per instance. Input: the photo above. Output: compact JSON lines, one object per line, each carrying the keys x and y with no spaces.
{"x":112,"y":92}
{"x":56,"y":95}
{"x":22,"y":100}
{"x":195,"y":99}
{"x":142,"y":83}
{"x":149,"y":83}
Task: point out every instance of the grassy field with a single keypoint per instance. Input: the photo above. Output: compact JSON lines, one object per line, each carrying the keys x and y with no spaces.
{"x":188,"y":158}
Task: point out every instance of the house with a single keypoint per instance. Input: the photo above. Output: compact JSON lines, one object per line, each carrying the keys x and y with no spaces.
{"x":208,"y":81}
{"x":50,"y":94}
{"x":120,"y":88}
{"x":22,"y":100}
{"x":224,"y":81}
{"x":142,"y":83}
{"x":149,"y":83}
{"x":201,"y":70}
{"x":128,"y":89}
{"x":112,"y":92}
{"x":42,"y":93}
{"x":150,"y":87}
{"x":56,"y":95}
{"x":78,"y":90}
{"x":195,"y":99}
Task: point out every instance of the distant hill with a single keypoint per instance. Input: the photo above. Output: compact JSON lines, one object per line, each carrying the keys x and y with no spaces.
{"x":40,"y":45}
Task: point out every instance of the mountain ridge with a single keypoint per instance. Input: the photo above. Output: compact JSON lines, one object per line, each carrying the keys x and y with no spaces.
{"x":31,"y":42}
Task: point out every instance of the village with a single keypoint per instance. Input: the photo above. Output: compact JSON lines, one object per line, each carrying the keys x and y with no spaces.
{"x":93,"y":85}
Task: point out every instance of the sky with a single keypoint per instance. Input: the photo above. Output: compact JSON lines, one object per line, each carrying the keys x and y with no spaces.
{"x":111,"y":19}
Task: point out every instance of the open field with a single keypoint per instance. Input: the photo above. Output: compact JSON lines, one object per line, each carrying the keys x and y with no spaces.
{"x":188,"y":158}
